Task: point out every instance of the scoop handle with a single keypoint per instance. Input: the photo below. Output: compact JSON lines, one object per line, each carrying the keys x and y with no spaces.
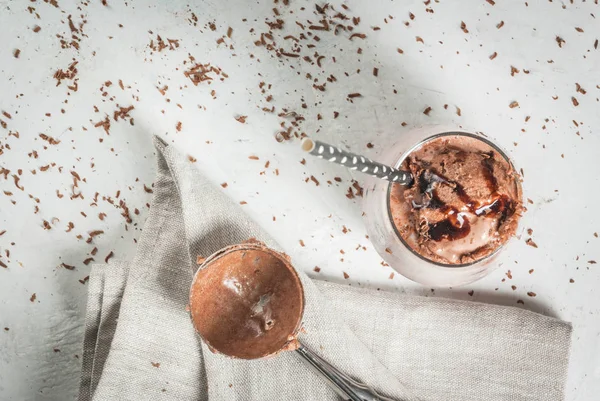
{"x":344,"y":386}
{"x":356,"y":162}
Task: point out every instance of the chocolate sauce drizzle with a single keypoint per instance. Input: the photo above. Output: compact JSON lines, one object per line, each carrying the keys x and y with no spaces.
{"x":456,"y":226}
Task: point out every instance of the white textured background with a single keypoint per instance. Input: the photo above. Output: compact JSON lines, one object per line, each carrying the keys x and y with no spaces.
{"x":558,"y":147}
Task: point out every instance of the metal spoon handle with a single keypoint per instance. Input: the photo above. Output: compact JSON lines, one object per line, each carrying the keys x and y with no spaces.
{"x":356,"y":162}
{"x":347,"y":388}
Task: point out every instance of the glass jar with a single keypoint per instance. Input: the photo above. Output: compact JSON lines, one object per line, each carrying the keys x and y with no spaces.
{"x":383,"y":232}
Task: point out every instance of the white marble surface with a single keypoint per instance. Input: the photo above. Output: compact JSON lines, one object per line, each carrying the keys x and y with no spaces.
{"x":558,"y":146}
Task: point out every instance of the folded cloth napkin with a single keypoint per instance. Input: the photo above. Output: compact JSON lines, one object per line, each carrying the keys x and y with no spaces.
{"x":140,"y":344}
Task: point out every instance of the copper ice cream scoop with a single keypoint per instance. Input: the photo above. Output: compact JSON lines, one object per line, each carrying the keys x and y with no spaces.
{"x":247,"y":302}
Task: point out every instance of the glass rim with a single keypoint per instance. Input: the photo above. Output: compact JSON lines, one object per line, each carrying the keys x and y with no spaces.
{"x":478,"y":136}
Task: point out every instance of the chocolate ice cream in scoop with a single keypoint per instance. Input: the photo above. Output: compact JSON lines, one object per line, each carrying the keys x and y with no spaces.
{"x":472,"y":209}
{"x":247,"y":301}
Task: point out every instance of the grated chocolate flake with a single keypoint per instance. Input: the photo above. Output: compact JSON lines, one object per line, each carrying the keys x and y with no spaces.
{"x":68,"y":267}
{"x":93,"y":234}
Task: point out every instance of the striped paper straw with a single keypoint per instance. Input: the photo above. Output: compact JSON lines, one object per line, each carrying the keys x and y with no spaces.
{"x":356,"y":162}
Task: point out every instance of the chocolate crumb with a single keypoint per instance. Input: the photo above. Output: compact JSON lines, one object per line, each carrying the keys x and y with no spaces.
{"x":147,"y":189}
{"x":391,"y":277}
{"x":519,"y":301}
{"x":110,"y":255}
{"x":500,"y":24}
{"x":17,"y":53}
{"x":513,"y":104}
{"x":33,"y":297}
{"x":531,"y":271}
{"x":49,"y":139}
{"x":427,"y":111}
{"x":317,"y":269}
{"x":105,"y":124}
{"x":530,"y":242}
{"x":68,"y":267}
{"x":353,"y":95}
{"x":301,"y":243}
{"x":155,"y":364}
{"x":178,"y":126}
{"x":571,"y":280}
{"x":241,"y":119}
{"x":375,"y":71}
{"x":579,"y":89}
{"x":224,"y":185}
{"x":493,"y":55}
{"x":575,"y":101}
{"x":471,"y":293}
{"x":346,"y":276}
{"x":560,"y":41}
{"x":37,"y":28}
{"x":463,"y":26}
{"x":87,"y":261}
{"x":357,"y":188}
{"x":531,"y":294}
{"x":93,"y":234}
{"x":388,"y":250}
{"x":370,"y":145}
{"x":358,"y":35}
{"x":314,"y":180}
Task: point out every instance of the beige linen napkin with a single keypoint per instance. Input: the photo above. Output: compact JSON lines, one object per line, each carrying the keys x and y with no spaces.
{"x":140,"y":344}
